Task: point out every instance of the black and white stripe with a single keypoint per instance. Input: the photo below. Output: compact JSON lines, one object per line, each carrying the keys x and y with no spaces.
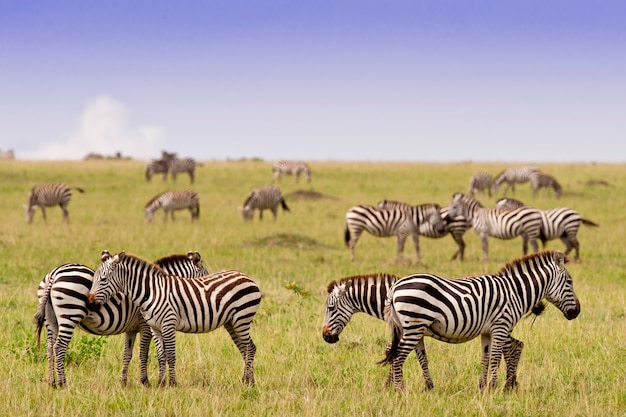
{"x":63,"y":307}
{"x":489,"y":306}
{"x":171,"y":201}
{"x":539,"y":180}
{"x":399,"y":221}
{"x":456,"y":227}
{"x":354,"y":294}
{"x":557,"y":223}
{"x":48,"y":195}
{"x":480,"y":182}
{"x":295,"y":168}
{"x":170,"y":304}
{"x":264,"y":198}
{"x":501,"y":224}
{"x":183,"y":165}
{"x":513,"y":176}
{"x":157,"y":166}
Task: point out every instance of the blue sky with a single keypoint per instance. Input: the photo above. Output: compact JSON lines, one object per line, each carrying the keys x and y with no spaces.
{"x":443,"y":81}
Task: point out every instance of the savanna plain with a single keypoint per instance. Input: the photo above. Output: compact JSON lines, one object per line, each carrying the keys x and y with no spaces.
{"x":568,"y":368}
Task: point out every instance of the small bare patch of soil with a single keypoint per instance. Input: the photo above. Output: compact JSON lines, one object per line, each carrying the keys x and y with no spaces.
{"x":287,"y":240}
{"x":308,"y":195}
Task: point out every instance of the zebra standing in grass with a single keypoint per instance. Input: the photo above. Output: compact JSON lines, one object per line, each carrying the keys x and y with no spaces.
{"x":48,"y":195}
{"x":187,"y":165}
{"x":557,"y":223}
{"x":501,"y":224}
{"x":157,"y":166}
{"x":399,"y":221}
{"x":480,"y":182}
{"x":294,"y":168}
{"x":170,"y":201}
{"x":170,"y":304}
{"x":264,"y":198}
{"x":489,"y":306}
{"x":513,"y":176}
{"x":539,"y":180}
{"x":63,"y":306}
{"x":456,"y":227}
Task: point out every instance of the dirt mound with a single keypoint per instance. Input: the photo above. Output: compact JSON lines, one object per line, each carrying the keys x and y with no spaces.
{"x":308,"y":195}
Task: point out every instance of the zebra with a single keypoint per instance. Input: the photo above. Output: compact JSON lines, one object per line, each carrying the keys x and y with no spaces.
{"x":540,"y":180}
{"x":455,"y":227}
{"x":295,"y":168}
{"x":513,"y":176}
{"x":480,"y":182}
{"x":63,"y":306}
{"x":400,"y":221}
{"x":354,"y":294}
{"x":160,"y":166}
{"x":187,"y":165}
{"x":169,"y":304}
{"x":48,"y":195}
{"x":557,"y":223}
{"x":501,"y":224}
{"x":263,"y":198}
{"x":171,"y":201}
{"x":489,"y":306}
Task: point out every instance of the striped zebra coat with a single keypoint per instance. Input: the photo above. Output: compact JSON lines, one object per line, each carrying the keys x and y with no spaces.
{"x":157,"y":166}
{"x":48,"y":195}
{"x":557,"y":223}
{"x":539,"y":180}
{"x":295,"y":168}
{"x":513,"y":176}
{"x":63,"y":307}
{"x":264,"y":198}
{"x":501,"y":224}
{"x":489,"y":306}
{"x":171,"y":201}
{"x":456,"y":227}
{"x":183,"y":165}
{"x":170,"y":304}
{"x":480,"y":182}
{"x":400,"y":221}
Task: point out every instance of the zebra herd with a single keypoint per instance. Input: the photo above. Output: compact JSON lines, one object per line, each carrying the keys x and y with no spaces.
{"x":130,"y":295}
{"x":169,"y":163}
{"x":483,"y":181}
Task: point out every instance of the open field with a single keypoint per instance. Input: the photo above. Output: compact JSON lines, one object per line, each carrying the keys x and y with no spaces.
{"x":575,"y":368}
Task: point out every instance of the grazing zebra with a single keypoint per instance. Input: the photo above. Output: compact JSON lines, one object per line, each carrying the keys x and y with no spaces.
{"x":157,"y":166}
{"x":261,"y":199}
{"x":355,"y":294}
{"x":170,"y":201}
{"x":489,"y":306}
{"x":513,"y":176}
{"x":557,"y":223}
{"x":456,"y":227}
{"x":480,"y":182}
{"x":400,"y":221}
{"x":63,"y":306}
{"x":170,"y":304}
{"x":187,"y":165}
{"x":294,"y":168}
{"x":48,"y":195}
{"x":540,"y":180}
{"x":523,"y":221}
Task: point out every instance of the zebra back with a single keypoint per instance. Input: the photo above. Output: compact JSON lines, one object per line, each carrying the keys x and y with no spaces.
{"x":189,"y":265}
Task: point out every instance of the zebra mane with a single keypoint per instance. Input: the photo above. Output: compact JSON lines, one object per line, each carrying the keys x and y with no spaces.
{"x":172,"y":259}
{"x":512,"y":265}
{"x":153,"y":199}
{"x":380,"y":276}
{"x":149,"y":264}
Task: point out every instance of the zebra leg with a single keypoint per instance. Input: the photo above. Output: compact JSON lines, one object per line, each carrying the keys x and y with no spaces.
{"x":485,"y":342}
{"x":145,"y":337}
{"x":484,"y":239}
{"x":352,"y":243}
{"x":395,"y":372}
{"x":495,"y":355}
{"x":275,"y":212}
{"x":161,"y":354}
{"x":129,"y":342}
{"x":525,"y":244}
{"x":416,"y":244}
{"x":400,"y":246}
{"x":43,"y":213}
{"x":461,"y":251}
{"x":247,"y":349}
{"x":571,"y":242}
{"x":52,"y":337}
{"x":60,"y":348}
{"x":420,"y":350}
{"x":512,"y":354}
{"x":66,"y":214}
{"x":169,"y":344}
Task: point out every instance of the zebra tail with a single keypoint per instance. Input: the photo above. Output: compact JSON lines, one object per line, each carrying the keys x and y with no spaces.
{"x":588,"y":222}
{"x":80,"y":190}
{"x":40,"y":314}
{"x":347,"y":235}
{"x":396,"y":331}
{"x":284,"y":204}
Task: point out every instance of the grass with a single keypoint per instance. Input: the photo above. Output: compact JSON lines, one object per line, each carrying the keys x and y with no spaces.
{"x":567,"y":368}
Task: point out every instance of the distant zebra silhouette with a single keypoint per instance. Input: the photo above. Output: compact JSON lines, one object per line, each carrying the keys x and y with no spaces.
{"x":187,"y":165}
{"x":171,"y":201}
{"x":264,"y":198}
{"x":159,"y":166}
{"x":539,"y":180}
{"x":480,"y":182}
{"x":294,"y":168}
{"x":513,"y":176}
{"x":48,"y":195}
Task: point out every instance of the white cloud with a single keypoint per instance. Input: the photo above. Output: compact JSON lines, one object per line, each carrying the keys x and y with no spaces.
{"x":104,"y":128}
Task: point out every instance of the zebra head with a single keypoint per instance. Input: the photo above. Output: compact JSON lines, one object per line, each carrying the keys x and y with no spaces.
{"x":560,"y":291}
{"x":196,"y":260}
{"x":433,"y":216}
{"x":339,"y":309}
{"x":106,"y":280}
{"x":246,"y":212}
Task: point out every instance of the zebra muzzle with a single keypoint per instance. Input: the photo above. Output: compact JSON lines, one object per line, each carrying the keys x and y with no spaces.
{"x":92,"y":304}
{"x":328,"y":336}
{"x":574,"y":312}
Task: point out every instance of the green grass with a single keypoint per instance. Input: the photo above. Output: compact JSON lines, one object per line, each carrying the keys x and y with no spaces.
{"x":567,"y":368}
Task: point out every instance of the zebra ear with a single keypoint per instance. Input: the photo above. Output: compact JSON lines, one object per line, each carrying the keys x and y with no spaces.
{"x":347,"y":285}
{"x":105,"y":255}
{"x":559,"y":258}
{"x":120,"y":256}
{"x":194,"y":257}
